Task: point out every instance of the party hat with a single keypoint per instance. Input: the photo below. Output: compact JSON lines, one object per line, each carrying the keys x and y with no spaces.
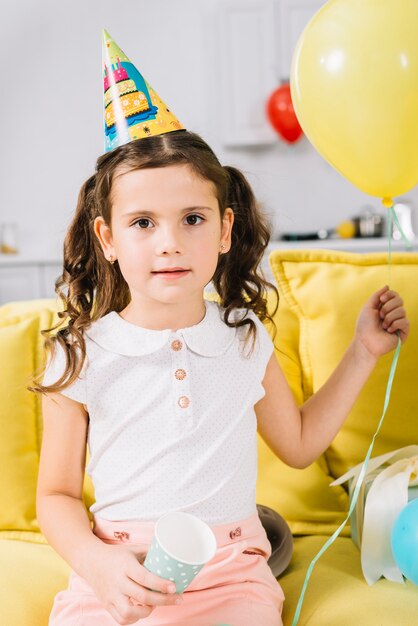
{"x":132,"y":109}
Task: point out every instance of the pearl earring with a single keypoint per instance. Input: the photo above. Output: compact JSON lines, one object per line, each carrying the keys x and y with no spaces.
{"x":111,"y":260}
{"x":222,"y":248}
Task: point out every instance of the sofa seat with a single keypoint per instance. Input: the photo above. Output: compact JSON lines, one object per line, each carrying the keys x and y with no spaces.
{"x":336,"y":578}
{"x":30,"y":576}
{"x":337,"y":592}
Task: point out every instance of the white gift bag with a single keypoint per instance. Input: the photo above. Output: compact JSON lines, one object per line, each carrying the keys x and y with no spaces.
{"x":390,"y":482}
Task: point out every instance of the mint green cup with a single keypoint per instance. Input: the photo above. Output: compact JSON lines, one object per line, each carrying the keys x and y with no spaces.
{"x":181,"y":546}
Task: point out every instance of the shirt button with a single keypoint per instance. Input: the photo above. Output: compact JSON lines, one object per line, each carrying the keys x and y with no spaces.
{"x":180,"y":374}
{"x":183,"y":402}
{"x":176,"y":345}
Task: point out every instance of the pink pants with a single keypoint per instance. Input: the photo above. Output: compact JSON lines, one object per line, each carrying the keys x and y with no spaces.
{"x":243,"y":592}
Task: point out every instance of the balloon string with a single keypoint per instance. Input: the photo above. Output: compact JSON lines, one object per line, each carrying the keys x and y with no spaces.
{"x":390,"y":228}
{"x":362,"y":474}
{"x":356,"y":492}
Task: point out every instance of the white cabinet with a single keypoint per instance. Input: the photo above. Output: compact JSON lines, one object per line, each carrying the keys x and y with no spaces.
{"x":247,"y":71}
{"x":291,"y":18}
{"x":257,"y":39}
{"x":22,"y":279}
{"x":15,"y":281}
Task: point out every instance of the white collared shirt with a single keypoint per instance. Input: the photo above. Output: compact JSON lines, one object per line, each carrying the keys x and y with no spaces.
{"x":172,"y":425}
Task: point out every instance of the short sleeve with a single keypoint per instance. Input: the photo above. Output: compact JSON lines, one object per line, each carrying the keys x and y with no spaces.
{"x":263,"y":349}
{"x":265,"y":344}
{"x":55,"y":369}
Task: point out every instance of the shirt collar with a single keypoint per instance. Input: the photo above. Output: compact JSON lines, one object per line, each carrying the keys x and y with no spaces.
{"x":210,"y":337}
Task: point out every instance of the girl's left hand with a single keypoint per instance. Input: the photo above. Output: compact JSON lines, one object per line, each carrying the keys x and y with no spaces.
{"x":379,"y":320}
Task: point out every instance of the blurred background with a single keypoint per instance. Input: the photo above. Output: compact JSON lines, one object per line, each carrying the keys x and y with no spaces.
{"x":214,"y":62}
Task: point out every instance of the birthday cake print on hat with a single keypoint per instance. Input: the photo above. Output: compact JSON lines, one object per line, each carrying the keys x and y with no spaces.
{"x":132,"y":109}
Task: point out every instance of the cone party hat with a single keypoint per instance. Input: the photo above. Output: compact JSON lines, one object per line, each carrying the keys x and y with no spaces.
{"x":132,"y":109}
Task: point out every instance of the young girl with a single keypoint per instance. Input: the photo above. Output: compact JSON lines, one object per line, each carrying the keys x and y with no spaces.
{"x":169,"y":388}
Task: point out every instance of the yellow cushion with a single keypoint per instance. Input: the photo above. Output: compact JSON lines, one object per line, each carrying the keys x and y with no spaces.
{"x":19,"y":440}
{"x":21,"y":348}
{"x":338,"y":595}
{"x":326,"y":290}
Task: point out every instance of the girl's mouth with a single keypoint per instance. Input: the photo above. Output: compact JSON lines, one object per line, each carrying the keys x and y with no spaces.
{"x":173,"y":274}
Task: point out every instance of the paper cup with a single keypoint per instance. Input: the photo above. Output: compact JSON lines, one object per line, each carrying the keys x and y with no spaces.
{"x":181,"y":546}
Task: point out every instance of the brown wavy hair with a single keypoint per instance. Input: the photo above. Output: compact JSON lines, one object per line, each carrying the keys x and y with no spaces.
{"x":94,"y":287}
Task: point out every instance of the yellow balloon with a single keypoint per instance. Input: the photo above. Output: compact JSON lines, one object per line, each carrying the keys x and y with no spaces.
{"x":354,"y":85}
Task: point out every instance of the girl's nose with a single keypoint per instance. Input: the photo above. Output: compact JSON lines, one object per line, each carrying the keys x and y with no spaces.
{"x":168,"y":242}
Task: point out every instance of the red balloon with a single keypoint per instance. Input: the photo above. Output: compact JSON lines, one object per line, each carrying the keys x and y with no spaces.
{"x":282,"y":115}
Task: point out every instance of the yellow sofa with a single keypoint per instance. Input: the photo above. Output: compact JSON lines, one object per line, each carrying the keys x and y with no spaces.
{"x":321,"y":294}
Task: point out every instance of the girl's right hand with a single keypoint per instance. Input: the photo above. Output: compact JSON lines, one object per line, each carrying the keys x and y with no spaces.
{"x":123,"y":585}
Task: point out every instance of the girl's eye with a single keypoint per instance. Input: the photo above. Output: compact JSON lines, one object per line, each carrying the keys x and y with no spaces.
{"x":144,"y":221}
{"x":194,"y":216}
{"x":140,"y":222}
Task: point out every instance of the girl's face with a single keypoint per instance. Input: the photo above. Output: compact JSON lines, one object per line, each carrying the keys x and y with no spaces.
{"x":165,"y":218}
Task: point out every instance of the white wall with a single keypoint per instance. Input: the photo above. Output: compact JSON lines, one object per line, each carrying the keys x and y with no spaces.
{"x":51,"y":112}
